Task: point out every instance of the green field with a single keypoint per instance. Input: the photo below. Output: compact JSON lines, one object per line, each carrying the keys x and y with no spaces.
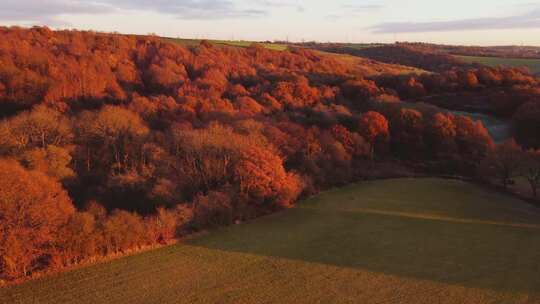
{"x":395,"y":241}
{"x":236,"y":43}
{"x":532,"y":64}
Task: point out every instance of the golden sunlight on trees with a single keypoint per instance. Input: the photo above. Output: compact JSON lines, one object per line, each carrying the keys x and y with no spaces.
{"x":33,"y":207}
{"x":34,"y":129}
{"x":263,"y":179}
{"x":113,"y":137}
{"x":374,"y":128}
{"x":154,"y":139}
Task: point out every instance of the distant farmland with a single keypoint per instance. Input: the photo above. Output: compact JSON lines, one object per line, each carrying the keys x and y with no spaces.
{"x":532,"y":64}
{"x":395,"y":241}
{"x":237,"y":43}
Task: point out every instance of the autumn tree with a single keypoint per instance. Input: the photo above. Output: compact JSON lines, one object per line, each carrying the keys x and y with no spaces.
{"x":374,"y":128}
{"x":441,"y":133}
{"x":504,"y":162}
{"x":262,"y":178}
{"x":360,"y":90}
{"x":531,"y":170}
{"x":78,"y":239}
{"x":213,"y":209}
{"x":472,"y":138}
{"x":468,"y":79}
{"x":122,"y":230}
{"x":38,"y":128}
{"x":204,"y":159}
{"x":33,"y":207}
{"x":112,"y":136}
{"x":53,"y":161}
{"x":407,"y":133}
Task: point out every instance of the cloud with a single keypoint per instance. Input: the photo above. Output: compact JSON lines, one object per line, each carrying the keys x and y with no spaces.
{"x":527,"y":20}
{"x":281,"y":4}
{"x":50,"y":11}
{"x":360,"y":8}
{"x":35,"y":11}
{"x":190,"y":9}
{"x":353,"y":10}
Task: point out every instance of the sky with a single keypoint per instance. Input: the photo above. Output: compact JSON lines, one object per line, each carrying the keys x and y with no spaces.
{"x":467,"y":22}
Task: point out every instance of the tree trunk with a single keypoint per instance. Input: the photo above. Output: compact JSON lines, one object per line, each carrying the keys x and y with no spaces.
{"x":534,"y":188}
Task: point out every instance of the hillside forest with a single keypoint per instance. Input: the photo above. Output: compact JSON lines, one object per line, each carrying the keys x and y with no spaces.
{"x":111,"y":143}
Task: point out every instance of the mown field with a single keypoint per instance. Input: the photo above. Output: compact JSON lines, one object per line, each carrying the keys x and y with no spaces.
{"x":532,"y":64}
{"x":394,"y":241}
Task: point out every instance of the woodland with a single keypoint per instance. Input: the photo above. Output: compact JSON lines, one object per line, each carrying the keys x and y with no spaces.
{"x":111,"y":143}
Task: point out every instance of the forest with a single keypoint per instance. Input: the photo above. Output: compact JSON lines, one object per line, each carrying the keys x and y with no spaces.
{"x":111,"y":143}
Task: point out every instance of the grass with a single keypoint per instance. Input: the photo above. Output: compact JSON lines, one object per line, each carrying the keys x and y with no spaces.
{"x":361,"y":46}
{"x":532,"y":64}
{"x":394,"y":241}
{"x":235,"y":43}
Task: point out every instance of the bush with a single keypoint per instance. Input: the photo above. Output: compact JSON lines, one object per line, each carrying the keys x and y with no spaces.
{"x":212,"y":210}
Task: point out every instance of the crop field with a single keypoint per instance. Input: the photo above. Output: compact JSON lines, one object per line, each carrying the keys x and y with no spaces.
{"x":393,"y":241}
{"x":532,"y":64}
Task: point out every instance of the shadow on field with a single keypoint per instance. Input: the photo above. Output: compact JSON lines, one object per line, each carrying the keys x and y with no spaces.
{"x":472,"y":254}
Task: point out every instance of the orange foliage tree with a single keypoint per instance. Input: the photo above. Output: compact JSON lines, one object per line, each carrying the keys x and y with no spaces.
{"x":374,"y":128}
{"x":33,"y":207}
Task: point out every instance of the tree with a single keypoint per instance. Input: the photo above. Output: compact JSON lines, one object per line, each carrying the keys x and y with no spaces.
{"x":489,"y":76}
{"x":123,"y":230}
{"x":248,"y":105}
{"x":33,"y":207}
{"x":504,"y":162}
{"x":472,"y":138}
{"x":441,"y":133}
{"x":468,"y":79}
{"x":342,"y":135}
{"x":262,"y":178}
{"x":112,"y":137}
{"x":77,"y":239}
{"x":407,"y":132}
{"x":53,"y":161}
{"x":204,"y":159}
{"x":374,"y":128}
{"x":526,"y":124}
{"x":532,"y":170}
{"x":360,"y":90}
{"x":213,"y":209}
{"x":38,"y":128}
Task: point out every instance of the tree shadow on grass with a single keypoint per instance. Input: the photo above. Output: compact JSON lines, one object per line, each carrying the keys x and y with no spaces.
{"x":472,"y":254}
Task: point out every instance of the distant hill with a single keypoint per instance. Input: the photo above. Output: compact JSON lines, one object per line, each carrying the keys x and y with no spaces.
{"x":418,"y":56}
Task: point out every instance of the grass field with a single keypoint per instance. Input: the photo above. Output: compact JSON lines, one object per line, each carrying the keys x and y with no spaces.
{"x":532,"y":64}
{"x":395,"y":241}
{"x":239,"y":43}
